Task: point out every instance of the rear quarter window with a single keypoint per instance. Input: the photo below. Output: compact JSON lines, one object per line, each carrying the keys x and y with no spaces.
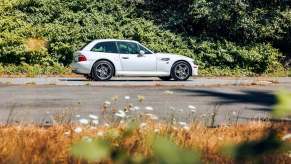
{"x":106,"y":47}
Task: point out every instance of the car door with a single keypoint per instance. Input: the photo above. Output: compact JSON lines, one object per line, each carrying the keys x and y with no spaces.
{"x":132,"y":61}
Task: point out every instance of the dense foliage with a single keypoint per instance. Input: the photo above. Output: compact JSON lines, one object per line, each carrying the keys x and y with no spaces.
{"x":236,"y":35}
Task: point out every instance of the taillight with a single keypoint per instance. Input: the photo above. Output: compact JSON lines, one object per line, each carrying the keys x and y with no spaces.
{"x":82,"y":58}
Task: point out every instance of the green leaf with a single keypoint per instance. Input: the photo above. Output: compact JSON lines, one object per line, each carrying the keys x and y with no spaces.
{"x":283,"y":107}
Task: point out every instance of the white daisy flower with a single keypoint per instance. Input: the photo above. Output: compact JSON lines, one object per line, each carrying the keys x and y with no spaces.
{"x":142,"y":125}
{"x":136,"y":108}
{"x":194,"y":111}
{"x":120,"y":113}
{"x":84,"y":121}
{"x":94,"y":117}
{"x":186,"y":128}
{"x":67,"y":133}
{"x":149,"y":108}
{"x":95,"y":122}
{"x":286,"y":137}
{"x":107,"y":103}
{"x":183,"y":123}
{"x":100,"y":134}
{"x":78,"y":130}
{"x":78,"y":116}
{"x":126,"y":97}
{"x":191,"y":107}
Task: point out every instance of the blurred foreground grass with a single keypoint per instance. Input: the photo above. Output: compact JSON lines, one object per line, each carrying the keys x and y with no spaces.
{"x":144,"y":143}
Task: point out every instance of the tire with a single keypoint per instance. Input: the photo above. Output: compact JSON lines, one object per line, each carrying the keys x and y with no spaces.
{"x":165,"y":78}
{"x":181,"y":71}
{"x":102,"y":71}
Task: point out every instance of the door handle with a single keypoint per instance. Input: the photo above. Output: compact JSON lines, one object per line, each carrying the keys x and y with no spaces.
{"x":125,"y":57}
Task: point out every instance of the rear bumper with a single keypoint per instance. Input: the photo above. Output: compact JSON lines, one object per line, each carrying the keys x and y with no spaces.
{"x":81,"y":67}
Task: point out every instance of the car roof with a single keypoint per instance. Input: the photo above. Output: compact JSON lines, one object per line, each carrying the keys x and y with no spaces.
{"x":113,"y":40}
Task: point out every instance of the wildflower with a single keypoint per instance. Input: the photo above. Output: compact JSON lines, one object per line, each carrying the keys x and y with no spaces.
{"x":152,"y":116}
{"x":157,"y":130}
{"x":234,"y":113}
{"x":78,"y":116}
{"x":194,"y":111}
{"x":149,"y":108}
{"x":100,"y":134}
{"x":187,"y":128}
{"x":107,"y":103}
{"x":183,"y":123}
{"x":169,"y":92}
{"x":84,"y":121}
{"x":95,"y":122}
{"x":120,"y":113}
{"x":94,"y":117}
{"x":286,"y":137}
{"x":191,"y":107}
{"x":67,"y":133}
{"x":114,"y":98}
{"x":126,"y":97}
{"x":203,"y":115}
{"x":142,"y":125}
{"x":140,"y":98}
{"x":78,"y":130}
{"x":136,"y":108}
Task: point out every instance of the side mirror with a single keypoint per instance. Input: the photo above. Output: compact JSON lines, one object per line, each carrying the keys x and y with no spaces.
{"x":141,"y":53}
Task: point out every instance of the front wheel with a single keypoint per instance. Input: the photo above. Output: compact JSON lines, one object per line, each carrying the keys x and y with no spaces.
{"x":102,"y":71}
{"x":181,"y":71}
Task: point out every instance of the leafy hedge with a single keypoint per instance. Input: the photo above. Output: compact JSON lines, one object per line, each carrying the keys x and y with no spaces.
{"x":221,"y":34}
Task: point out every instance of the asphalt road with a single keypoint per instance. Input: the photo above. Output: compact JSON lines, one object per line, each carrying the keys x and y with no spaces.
{"x":38,"y":103}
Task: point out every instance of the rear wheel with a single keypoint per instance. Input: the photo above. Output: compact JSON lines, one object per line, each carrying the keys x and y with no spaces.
{"x":102,"y":71}
{"x":165,"y":78}
{"x":181,"y":71}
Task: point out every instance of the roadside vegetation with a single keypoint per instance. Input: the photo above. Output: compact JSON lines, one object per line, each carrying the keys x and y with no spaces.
{"x":140,"y":143}
{"x":224,"y":37}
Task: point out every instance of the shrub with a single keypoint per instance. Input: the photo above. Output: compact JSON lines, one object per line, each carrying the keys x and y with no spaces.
{"x":236,"y":38}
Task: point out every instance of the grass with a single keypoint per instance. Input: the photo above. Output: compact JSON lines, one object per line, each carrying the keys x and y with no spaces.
{"x":34,"y":144}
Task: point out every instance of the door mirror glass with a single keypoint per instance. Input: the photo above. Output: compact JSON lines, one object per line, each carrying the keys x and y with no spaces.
{"x":141,"y":53}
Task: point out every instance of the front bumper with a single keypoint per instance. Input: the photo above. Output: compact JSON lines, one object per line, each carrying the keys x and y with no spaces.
{"x":194,"y":70}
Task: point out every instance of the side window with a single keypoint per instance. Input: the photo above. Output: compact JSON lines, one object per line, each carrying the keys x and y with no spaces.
{"x":127,"y":48}
{"x":107,"y":47}
{"x":144,"y":49}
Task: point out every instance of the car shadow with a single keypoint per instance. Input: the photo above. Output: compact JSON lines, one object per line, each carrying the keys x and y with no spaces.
{"x":262,"y":98}
{"x":112,"y":80}
{"x":119,"y":80}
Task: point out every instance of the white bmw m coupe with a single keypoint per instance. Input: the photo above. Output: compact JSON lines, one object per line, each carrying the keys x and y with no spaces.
{"x":101,"y":59}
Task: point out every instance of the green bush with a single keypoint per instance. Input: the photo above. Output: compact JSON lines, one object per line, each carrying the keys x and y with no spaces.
{"x":217,"y":34}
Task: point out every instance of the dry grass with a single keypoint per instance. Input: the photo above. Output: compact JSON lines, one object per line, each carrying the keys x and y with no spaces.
{"x":33,"y":144}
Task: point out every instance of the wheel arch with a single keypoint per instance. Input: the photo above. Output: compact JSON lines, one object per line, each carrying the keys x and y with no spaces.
{"x":181,"y":60}
{"x":114,"y":72}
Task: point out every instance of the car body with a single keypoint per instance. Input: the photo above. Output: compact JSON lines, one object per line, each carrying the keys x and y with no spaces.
{"x":128,"y":58}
